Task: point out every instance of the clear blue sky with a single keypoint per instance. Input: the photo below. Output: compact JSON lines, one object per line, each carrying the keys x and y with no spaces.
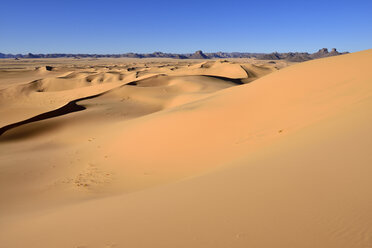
{"x":183,"y":26}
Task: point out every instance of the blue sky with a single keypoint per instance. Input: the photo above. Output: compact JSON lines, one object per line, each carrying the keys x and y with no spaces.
{"x":184,"y":26}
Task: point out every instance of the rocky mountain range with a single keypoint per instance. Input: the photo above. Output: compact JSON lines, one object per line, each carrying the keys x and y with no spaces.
{"x":291,"y":56}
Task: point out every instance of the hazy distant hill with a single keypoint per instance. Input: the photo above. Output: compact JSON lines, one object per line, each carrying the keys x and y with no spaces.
{"x":198,"y":55}
{"x":294,"y":57}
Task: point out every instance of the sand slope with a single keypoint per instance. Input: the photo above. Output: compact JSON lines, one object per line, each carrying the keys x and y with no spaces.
{"x":281,"y":162}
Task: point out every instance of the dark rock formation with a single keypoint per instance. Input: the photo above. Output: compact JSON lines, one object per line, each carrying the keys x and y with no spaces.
{"x":271,"y":56}
{"x":296,"y":57}
{"x":320,"y":54}
{"x":198,"y":55}
{"x":334,"y":52}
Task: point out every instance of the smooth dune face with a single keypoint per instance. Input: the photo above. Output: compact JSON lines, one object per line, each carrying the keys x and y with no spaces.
{"x":189,"y":155}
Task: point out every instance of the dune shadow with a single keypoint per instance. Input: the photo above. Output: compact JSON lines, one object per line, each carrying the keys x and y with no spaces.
{"x":226,"y":79}
{"x":70,"y":107}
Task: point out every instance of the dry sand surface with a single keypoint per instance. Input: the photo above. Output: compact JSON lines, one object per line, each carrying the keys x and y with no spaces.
{"x":178,"y":153}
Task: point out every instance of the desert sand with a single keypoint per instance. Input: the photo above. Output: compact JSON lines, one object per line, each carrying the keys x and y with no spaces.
{"x":186,"y":153}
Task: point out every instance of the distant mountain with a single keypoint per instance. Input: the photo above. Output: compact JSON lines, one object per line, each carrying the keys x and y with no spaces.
{"x":271,"y":56}
{"x":299,"y":57}
{"x":294,"y":57}
{"x":324,"y":53}
{"x":198,"y":55}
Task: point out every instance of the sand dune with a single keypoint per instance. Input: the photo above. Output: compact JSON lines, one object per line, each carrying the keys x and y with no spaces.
{"x":49,"y":92}
{"x":61,"y":109}
{"x":189,"y":155}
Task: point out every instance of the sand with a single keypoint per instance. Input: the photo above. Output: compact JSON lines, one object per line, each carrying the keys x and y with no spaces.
{"x":186,"y":153}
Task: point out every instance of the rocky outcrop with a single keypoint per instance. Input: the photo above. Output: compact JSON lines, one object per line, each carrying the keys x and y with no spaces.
{"x":271,"y":56}
{"x":198,"y":55}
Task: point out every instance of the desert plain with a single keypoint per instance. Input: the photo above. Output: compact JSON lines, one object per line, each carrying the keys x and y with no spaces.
{"x":140,"y":153}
